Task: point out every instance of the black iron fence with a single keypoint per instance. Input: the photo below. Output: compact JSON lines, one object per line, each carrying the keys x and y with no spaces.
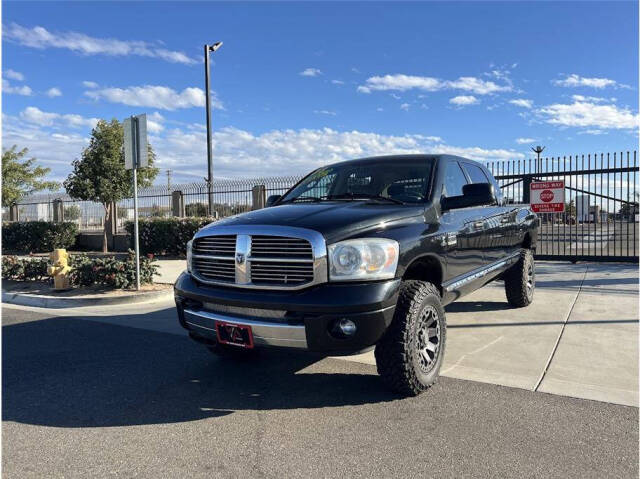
{"x":600,"y":217}
{"x":599,"y":221}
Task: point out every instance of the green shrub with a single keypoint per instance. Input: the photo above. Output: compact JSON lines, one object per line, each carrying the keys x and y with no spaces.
{"x":24,"y":237}
{"x":86,"y":271}
{"x":166,"y":235}
{"x":31,"y":269}
{"x":110,"y":271}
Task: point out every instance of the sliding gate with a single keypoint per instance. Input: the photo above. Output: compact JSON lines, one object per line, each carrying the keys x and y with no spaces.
{"x":600,"y":220}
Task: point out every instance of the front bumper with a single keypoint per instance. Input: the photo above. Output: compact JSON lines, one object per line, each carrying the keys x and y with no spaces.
{"x":300,"y":319}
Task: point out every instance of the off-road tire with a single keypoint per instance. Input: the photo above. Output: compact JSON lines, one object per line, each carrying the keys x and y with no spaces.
{"x":520,"y":280}
{"x":398,"y":357}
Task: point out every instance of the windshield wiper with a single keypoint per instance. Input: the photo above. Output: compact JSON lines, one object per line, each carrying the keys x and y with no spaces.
{"x":303,"y":198}
{"x":363,"y":196}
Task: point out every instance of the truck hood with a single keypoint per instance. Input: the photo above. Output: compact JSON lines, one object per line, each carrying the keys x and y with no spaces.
{"x":333,"y":219}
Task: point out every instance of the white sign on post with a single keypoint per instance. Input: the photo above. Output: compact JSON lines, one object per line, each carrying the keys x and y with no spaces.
{"x":135,"y":142}
{"x":135,"y":156}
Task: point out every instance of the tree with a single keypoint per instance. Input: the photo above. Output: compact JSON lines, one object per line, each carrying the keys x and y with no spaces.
{"x":99,"y":175}
{"x":196,"y":209}
{"x":22,"y":177}
{"x":72,"y":213}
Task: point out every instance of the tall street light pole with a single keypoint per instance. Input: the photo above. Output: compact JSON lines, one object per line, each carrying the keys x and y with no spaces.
{"x":537,"y":150}
{"x":207,"y":49}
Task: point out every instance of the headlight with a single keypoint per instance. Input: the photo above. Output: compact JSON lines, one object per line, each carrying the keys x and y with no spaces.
{"x":189,"y":255}
{"x":363,"y":259}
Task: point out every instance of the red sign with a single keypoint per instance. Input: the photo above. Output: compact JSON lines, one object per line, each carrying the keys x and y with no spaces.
{"x":547,"y":196}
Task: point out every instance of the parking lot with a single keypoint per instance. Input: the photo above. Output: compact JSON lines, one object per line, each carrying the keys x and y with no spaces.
{"x":546,"y":391}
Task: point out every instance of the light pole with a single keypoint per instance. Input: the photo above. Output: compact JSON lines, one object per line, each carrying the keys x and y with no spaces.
{"x":207,"y":49}
{"x":537,"y":150}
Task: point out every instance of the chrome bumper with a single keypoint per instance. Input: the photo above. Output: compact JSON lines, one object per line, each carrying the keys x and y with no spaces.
{"x":264,"y":333}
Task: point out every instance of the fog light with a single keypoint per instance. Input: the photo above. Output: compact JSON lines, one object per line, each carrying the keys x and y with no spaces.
{"x":347,"y":327}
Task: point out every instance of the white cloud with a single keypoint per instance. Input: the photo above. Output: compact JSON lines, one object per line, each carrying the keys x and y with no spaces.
{"x":337,"y":82}
{"x":54,"y":92}
{"x":35,"y":116}
{"x":524,"y":141}
{"x":155,"y":122}
{"x":155,"y":96}
{"x":405,"y":107}
{"x":55,"y":150}
{"x":90,"y":84}
{"x":310,"y":72}
{"x":401,"y":82}
{"x":240,"y":153}
{"x":463,"y":100}
{"x":23,"y":90}
{"x":477,"y":86}
{"x":13,"y":75}
{"x":574,"y":80}
{"x":41,"y":38}
{"x":325,"y":112}
{"x":593,"y":99}
{"x":524,"y":103}
{"x":588,"y":114}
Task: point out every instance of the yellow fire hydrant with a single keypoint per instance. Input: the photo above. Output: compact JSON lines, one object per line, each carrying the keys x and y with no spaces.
{"x":59,"y":269}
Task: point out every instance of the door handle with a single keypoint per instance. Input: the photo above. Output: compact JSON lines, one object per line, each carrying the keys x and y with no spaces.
{"x":504,"y":220}
{"x":478,"y":225}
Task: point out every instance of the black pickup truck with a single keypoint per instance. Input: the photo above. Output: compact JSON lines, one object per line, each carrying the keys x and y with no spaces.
{"x":359,"y":254}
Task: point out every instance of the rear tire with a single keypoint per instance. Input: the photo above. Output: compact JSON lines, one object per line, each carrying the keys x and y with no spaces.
{"x":520,"y":280}
{"x":410,"y":353}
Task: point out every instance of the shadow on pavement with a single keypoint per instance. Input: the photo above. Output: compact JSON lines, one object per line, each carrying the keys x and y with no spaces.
{"x":466,"y":306}
{"x":69,"y":372}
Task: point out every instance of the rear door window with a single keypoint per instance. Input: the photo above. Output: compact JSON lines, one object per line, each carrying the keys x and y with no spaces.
{"x":475,"y":173}
{"x":454,"y":180}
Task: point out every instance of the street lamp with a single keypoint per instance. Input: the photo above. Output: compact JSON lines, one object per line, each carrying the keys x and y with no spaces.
{"x":207,"y":49}
{"x":537,"y":150}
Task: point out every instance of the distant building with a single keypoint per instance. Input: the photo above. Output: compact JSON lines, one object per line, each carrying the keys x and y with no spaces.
{"x":582,"y":208}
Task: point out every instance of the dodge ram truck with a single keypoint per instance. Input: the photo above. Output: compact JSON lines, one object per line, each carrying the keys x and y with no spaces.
{"x":358,"y":255}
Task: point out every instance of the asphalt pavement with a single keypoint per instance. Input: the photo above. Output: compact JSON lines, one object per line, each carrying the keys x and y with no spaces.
{"x":95,"y":399}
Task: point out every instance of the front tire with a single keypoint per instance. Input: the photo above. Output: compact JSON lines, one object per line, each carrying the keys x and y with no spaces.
{"x":410,"y":353}
{"x":520,"y":280}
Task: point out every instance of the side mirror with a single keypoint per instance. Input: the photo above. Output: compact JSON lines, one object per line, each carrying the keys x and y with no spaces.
{"x":474,"y":194}
{"x":272,"y":199}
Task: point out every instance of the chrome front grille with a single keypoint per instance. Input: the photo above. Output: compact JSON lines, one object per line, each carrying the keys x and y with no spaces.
{"x":269,"y":261}
{"x":214,"y":257}
{"x":280,"y":246}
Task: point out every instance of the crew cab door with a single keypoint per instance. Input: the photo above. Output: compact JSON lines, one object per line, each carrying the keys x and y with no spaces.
{"x":498,"y":220}
{"x":463,"y":229}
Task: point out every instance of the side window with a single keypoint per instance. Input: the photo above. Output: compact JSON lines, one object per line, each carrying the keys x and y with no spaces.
{"x":496,"y":189}
{"x":475,"y":173}
{"x":454,"y":180}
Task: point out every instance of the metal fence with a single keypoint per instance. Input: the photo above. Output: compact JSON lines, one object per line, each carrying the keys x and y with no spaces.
{"x":600,"y":221}
{"x":229,"y":197}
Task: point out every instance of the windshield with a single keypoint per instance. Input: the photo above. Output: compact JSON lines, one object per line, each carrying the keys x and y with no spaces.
{"x":397,"y":181}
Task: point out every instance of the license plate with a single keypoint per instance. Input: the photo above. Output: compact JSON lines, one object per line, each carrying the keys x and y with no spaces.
{"x":234,"y":334}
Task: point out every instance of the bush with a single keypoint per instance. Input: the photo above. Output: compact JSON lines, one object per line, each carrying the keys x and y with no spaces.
{"x":25,"y":237}
{"x":166,"y":235}
{"x":85,"y":271}
{"x":32,"y":269}
{"x":110,"y":271}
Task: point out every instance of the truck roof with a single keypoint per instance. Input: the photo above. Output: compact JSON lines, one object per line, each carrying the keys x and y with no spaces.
{"x":382,"y":158}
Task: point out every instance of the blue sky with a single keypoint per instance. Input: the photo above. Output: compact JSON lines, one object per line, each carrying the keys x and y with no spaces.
{"x":298,"y":85}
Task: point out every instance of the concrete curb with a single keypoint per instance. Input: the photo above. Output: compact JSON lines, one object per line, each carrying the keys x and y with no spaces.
{"x":41,"y":301}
